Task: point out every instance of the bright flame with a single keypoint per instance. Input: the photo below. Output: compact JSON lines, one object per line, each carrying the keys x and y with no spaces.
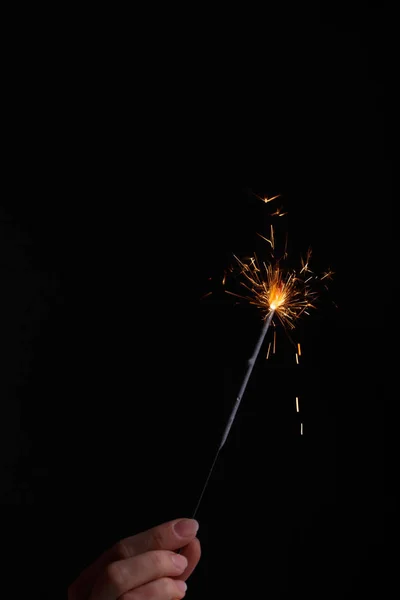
{"x":286,"y":292}
{"x":273,"y":289}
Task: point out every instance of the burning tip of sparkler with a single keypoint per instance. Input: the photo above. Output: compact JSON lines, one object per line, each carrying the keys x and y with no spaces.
{"x":277,"y":290}
{"x":273,"y":287}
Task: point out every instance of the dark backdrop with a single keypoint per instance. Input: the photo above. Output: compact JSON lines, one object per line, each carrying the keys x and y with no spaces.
{"x":128,"y":186}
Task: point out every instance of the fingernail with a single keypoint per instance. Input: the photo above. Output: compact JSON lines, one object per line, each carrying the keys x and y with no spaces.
{"x":186,"y":527}
{"x":179,"y":561}
{"x":181,"y":585}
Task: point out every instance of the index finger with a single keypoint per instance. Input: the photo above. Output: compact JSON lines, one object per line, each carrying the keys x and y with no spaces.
{"x":168,"y":536}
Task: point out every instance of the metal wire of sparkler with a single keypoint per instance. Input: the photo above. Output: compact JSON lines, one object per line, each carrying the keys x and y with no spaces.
{"x":250,"y":366}
{"x":228,"y":426}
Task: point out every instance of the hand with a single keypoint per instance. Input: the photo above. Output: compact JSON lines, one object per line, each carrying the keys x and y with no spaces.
{"x":141,"y":567}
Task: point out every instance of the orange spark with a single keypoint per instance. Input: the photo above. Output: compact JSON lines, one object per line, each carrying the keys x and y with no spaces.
{"x":266,"y":199}
{"x":274,"y":289}
{"x":304,"y":264}
{"x":206,"y":295}
{"x":327,"y":275}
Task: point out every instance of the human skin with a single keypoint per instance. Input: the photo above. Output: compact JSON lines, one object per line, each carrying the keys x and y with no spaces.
{"x":145,"y":566}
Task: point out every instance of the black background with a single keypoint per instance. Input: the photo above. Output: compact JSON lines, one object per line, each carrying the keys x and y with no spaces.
{"x":130,"y":173}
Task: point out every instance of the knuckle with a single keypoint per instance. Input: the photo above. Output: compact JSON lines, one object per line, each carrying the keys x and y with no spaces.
{"x":159,"y":561}
{"x":121,"y":550}
{"x":116,"y":574}
{"x":163,"y":587}
{"x":157,"y":539}
{"x":167,"y":587}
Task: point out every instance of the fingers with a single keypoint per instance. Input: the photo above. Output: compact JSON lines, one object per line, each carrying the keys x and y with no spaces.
{"x":123,"y":576}
{"x":193,"y":553}
{"x":172,"y":535}
{"x":162,"y":589}
{"x":168,"y":536}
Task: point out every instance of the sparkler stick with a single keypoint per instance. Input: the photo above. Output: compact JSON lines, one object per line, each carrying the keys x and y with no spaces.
{"x":275,"y":290}
{"x":251,"y":363}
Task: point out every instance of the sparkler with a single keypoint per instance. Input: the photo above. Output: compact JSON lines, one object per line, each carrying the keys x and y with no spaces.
{"x":276,"y":291}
